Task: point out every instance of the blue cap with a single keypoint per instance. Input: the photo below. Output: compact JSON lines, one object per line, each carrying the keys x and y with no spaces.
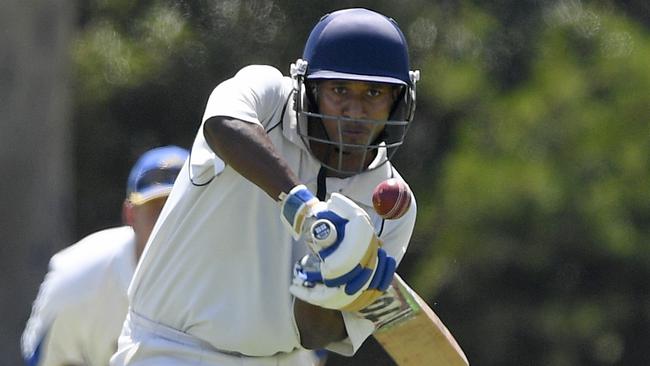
{"x":154,"y":174}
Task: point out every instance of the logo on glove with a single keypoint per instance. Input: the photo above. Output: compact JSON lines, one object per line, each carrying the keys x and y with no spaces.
{"x":321,"y":230}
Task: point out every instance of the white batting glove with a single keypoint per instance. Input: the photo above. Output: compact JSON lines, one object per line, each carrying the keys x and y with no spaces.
{"x":344,"y":239}
{"x":308,"y":284}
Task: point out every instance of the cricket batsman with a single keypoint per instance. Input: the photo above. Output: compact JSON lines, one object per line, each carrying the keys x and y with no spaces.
{"x":268,"y":245}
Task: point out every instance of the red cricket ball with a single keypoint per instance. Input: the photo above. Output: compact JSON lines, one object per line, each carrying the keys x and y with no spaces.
{"x":391,"y":198}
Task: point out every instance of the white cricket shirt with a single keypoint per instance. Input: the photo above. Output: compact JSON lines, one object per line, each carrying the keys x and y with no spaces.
{"x":81,"y":305}
{"x":218,"y":264}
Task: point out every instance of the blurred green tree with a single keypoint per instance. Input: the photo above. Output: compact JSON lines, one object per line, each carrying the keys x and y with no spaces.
{"x":538,"y":222}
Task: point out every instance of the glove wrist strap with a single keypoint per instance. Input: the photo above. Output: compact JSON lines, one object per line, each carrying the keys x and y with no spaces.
{"x":295,"y":208}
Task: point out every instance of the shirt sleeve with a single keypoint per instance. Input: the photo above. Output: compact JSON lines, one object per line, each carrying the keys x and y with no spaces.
{"x":49,"y":337}
{"x":61,"y":346}
{"x":253,"y":95}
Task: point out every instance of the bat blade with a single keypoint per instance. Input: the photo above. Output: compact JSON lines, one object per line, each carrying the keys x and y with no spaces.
{"x":414,"y":334}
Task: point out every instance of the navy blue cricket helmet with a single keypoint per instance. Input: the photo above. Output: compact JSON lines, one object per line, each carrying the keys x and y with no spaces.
{"x":363,"y":45}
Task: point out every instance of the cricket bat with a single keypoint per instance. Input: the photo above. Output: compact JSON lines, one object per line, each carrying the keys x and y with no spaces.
{"x":410,"y":332}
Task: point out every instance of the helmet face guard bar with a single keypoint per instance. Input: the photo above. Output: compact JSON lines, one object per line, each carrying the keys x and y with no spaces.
{"x":384,"y":146}
{"x":341,"y":148}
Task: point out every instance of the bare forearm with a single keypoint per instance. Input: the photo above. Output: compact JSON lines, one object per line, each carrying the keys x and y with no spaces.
{"x":247,"y":149}
{"x":318,"y":326}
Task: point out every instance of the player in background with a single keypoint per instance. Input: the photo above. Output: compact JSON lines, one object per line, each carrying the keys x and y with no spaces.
{"x":82,"y":302}
{"x":227,"y":277}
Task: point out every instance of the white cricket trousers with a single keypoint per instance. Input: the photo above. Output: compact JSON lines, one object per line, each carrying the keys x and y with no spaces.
{"x":146,"y":343}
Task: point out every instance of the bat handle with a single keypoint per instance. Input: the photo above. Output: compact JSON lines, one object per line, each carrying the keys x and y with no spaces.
{"x":323,"y":233}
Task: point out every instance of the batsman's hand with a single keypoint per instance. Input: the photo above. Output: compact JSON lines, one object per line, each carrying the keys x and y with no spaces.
{"x":345,"y":241}
{"x":347,"y":269}
{"x":308,"y":284}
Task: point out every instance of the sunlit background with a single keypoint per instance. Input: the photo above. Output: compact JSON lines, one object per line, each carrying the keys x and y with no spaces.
{"x":529,"y":154}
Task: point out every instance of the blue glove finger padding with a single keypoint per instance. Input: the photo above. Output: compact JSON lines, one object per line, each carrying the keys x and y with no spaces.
{"x":385,"y":270}
{"x":355,"y":279}
{"x":356,"y":283}
{"x":379,"y":272}
{"x":389,"y":271}
{"x":381,"y":279}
